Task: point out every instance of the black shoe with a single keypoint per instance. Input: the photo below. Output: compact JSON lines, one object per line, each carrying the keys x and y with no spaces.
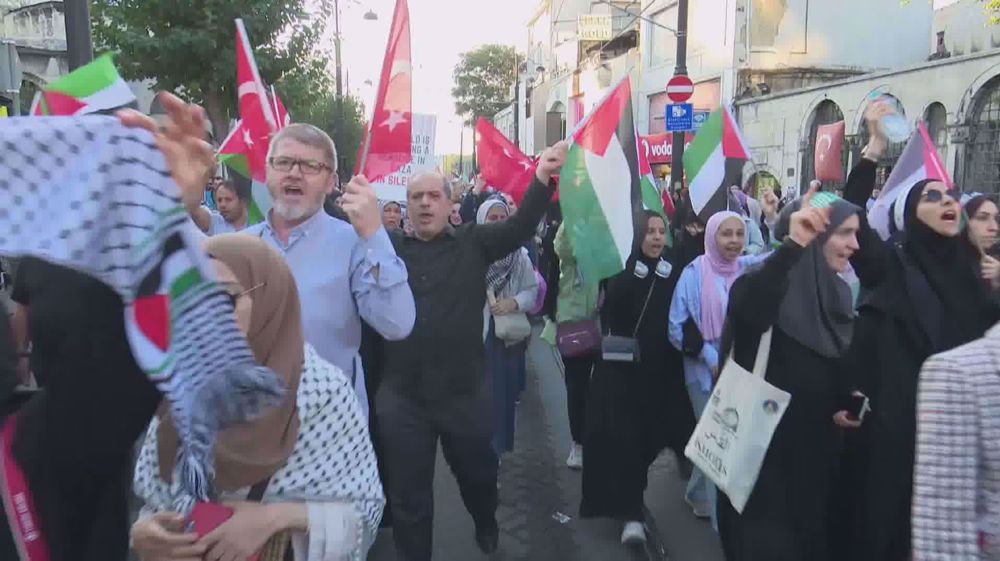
{"x":488,"y":539}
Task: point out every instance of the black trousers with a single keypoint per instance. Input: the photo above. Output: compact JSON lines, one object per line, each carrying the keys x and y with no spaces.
{"x":578,"y":372}
{"x":409,"y":432}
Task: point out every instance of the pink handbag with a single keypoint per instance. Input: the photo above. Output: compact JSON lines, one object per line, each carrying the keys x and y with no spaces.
{"x":540,"y":298}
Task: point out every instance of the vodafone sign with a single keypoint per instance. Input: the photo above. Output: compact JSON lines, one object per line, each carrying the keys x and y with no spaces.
{"x":660,"y":147}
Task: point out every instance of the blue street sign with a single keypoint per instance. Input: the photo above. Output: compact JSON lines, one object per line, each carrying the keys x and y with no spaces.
{"x":680,"y":117}
{"x":699,"y":119}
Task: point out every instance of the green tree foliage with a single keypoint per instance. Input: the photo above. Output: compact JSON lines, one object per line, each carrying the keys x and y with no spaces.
{"x":189,"y":46}
{"x":483,"y":79}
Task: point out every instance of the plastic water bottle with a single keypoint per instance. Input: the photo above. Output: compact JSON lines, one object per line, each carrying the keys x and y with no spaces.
{"x":894,"y":125}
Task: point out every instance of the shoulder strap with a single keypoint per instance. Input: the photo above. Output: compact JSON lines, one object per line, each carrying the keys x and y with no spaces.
{"x":256,"y":493}
{"x":645,"y":304}
{"x":763,"y":353}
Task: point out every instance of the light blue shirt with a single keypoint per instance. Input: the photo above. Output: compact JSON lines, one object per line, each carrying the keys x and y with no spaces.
{"x":335,"y":271}
{"x":219,"y":225}
{"x":687,"y":304}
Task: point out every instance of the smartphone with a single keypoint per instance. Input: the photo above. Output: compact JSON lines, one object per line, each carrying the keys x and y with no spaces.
{"x":860,"y":406}
{"x":994,"y":251}
{"x":206,"y":517}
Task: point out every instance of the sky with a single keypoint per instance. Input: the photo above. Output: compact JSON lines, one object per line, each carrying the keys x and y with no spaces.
{"x":441,"y":30}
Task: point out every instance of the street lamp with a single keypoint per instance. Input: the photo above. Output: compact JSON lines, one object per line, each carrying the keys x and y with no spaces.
{"x":338,"y":127}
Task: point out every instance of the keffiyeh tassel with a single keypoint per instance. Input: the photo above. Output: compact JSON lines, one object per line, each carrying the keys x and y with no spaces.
{"x":89,"y":194}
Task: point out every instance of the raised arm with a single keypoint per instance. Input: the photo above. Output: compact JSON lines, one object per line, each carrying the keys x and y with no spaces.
{"x":500,"y":239}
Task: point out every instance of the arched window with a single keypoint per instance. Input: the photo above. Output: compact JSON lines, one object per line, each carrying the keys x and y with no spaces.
{"x":936,"y":118}
{"x":982,"y":152}
{"x":555,"y":124}
{"x":825,"y":113}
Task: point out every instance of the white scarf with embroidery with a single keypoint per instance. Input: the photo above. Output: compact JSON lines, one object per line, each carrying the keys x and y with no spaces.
{"x":90,"y":194}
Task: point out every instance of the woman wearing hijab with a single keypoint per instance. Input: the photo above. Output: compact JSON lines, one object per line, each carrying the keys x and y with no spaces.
{"x":512,"y":282}
{"x":697,"y":314}
{"x":799,"y":294}
{"x":924,"y":299}
{"x":981,"y":232}
{"x":308,"y":465}
{"x":392,"y":215}
{"x":631,"y":410}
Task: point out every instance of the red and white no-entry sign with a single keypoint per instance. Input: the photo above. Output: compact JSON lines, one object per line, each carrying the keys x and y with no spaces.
{"x":680,"y":89}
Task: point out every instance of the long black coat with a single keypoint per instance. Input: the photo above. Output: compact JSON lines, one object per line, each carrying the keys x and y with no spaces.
{"x":634,"y":410}
{"x":788,"y":516}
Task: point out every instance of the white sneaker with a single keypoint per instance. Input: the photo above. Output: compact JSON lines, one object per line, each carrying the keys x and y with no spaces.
{"x":575,"y":459}
{"x":633,"y":534}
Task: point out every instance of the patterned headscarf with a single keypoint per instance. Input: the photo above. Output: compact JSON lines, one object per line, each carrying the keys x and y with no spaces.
{"x":503,"y":269}
{"x":90,"y":194}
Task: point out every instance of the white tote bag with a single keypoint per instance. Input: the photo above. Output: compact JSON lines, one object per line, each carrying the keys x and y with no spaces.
{"x":735,"y":430}
{"x":510,"y":328}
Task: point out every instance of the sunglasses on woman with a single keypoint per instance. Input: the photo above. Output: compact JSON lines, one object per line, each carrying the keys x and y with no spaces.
{"x":235,"y":296}
{"x":936,"y":196}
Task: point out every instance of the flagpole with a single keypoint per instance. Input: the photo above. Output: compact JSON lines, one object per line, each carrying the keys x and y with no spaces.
{"x":274,"y":107}
{"x":378,"y":92}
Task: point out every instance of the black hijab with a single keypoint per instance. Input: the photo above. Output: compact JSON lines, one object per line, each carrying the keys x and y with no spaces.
{"x":951,"y":305}
{"x":817,"y":310}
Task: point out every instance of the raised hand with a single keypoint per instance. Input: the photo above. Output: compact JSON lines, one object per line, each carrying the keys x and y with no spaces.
{"x":182,"y":141}
{"x":877,"y":141}
{"x":808,"y":223}
{"x":361,"y":205}
{"x":552,"y":161}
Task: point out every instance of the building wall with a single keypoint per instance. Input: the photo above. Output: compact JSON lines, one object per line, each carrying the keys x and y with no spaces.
{"x":965,"y":32}
{"x":504,"y":121}
{"x":865,"y":34}
{"x":786,"y":43}
{"x":777,"y":127}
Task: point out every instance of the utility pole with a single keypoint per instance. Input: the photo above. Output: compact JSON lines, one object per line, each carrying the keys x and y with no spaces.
{"x":677,"y":156}
{"x":517,"y":102}
{"x":338,"y":125}
{"x":79,"y":45}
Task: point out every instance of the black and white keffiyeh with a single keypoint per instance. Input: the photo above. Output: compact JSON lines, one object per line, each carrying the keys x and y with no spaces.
{"x":333,"y":459}
{"x":90,"y":194}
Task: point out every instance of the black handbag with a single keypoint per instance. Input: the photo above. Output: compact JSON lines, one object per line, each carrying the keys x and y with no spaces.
{"x":618,"y":348}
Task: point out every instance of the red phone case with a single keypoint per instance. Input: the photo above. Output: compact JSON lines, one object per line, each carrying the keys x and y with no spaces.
{"x":206,"y":517}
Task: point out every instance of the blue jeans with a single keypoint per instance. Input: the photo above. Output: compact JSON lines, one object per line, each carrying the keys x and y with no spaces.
{"x":700,"y":489}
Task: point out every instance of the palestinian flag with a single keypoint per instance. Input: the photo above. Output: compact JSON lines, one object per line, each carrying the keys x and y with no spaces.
{"x":148,"y":319}
{"x":89,"y":89}
{"x":233,"y":154}
{"x":919,"y":161}
{"x":714,"y":161}
{"x":652,"y":199}
{"x":600,"y":186}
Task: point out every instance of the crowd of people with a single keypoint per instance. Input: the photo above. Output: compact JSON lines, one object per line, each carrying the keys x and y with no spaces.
{"x":396,"y":325}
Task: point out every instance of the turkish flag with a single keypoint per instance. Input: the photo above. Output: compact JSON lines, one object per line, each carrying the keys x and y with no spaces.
{"x":829,"y":152}
{"x":390,"y":136}
{"x":501,"y":163}
{"x":256,"y":112}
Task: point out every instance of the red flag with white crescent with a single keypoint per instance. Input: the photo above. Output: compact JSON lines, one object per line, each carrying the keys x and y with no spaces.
{"x":390,"y":133}
{"x":256,"y":111}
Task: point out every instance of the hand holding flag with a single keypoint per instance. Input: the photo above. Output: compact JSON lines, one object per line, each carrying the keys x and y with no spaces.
{"x":361,"y":206}
{"x":552,"y":161}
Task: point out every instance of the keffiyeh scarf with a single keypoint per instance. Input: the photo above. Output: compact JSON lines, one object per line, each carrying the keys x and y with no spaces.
{"x":333,"y":459}
{"x":90,"y":194}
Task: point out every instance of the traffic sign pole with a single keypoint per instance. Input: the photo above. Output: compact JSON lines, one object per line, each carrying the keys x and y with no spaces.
{"x":677,"y":158}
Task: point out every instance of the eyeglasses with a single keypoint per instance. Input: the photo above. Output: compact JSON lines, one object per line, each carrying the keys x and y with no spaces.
{"x":307,"y":167}
{"x":235,"y":296}
{"x":936,"y":196}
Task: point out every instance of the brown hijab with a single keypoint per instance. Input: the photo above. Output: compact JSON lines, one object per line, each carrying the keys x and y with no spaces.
{"x":250,"y":452}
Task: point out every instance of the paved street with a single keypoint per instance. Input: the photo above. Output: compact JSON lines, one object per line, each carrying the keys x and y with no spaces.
{"x":536,"y":487}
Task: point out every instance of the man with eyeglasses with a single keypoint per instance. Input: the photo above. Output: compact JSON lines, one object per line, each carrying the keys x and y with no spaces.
{"x":345,"y":272}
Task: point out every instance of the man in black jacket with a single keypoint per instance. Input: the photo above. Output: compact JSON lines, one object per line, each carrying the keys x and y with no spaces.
{"x":432,"y":385}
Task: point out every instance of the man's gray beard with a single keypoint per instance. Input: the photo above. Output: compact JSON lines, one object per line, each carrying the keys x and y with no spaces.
{"x":293,"y":213}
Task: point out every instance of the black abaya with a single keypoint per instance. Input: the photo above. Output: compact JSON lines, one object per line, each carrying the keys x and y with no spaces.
{"x":787,"y":517}
{"x":924,"y":299}
{"x":74,"y":438}
{"x":634,"y":409}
